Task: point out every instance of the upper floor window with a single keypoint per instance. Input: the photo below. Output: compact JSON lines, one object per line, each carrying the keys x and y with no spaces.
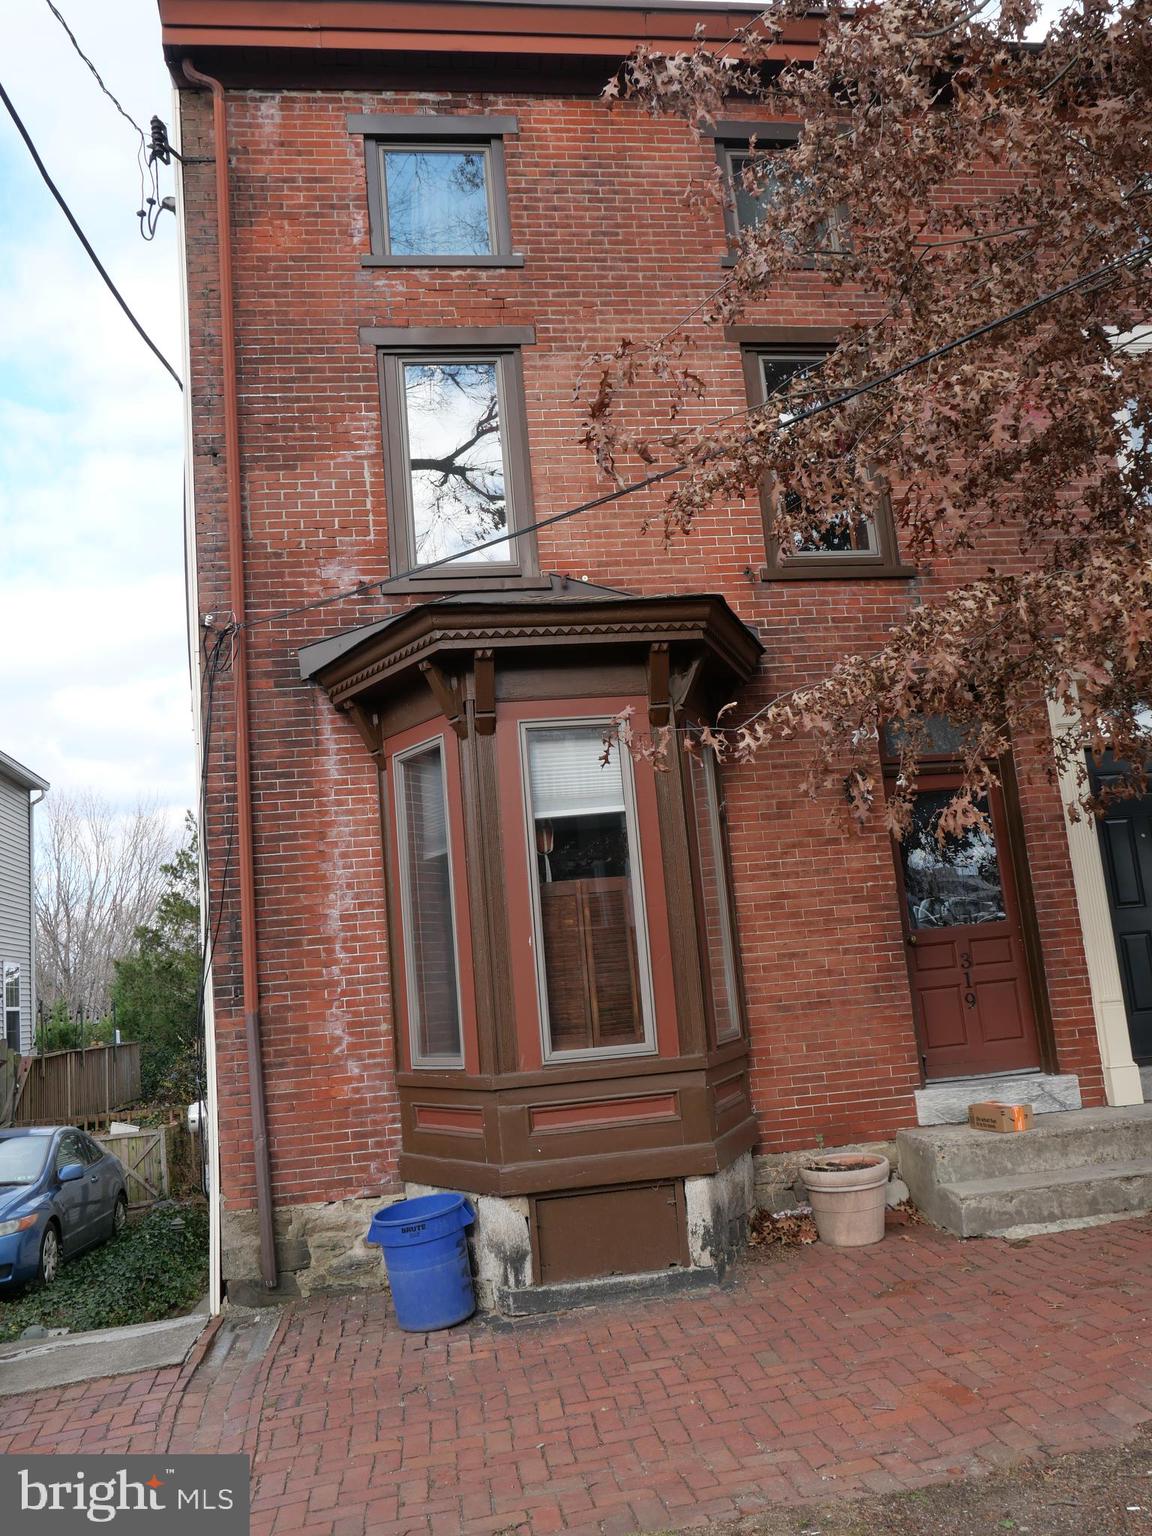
{"x":437,"y":190}
{"x":456,"y":461}
{"x":745,"y":153}
{"x":826,"y":541}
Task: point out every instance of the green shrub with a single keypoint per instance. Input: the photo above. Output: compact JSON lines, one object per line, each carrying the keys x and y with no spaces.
{"x":157,"y":1266}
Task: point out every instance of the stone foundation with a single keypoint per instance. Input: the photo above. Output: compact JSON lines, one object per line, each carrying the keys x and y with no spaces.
{"x":322,"y":1247}
{"x":498,"y":1240}
{"x":718,"y":1207}
{"x":778,"y":1186}
{"x":318,"y":1248}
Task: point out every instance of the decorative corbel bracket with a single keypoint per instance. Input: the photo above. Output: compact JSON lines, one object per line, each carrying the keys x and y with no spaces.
{"x":659,"y":698}
{"x":484,"y":671}
{"x":367,"y":723}
{"x":685,"y":681}
{"x":446,"y":695}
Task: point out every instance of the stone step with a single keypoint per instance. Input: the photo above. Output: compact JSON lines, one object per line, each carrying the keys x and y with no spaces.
{"x":995,"y":1206}
{"x":954,"y":1154}
{"x":946,"y":1102}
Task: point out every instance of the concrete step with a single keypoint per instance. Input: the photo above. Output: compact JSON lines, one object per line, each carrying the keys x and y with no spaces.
{"x":951,"y":1154}
{"x":993,"y":1207}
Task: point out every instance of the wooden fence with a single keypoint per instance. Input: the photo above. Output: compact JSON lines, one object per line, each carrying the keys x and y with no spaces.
{"x":9,"y":1082}
{"x":145,"y":1158}
{"x":68,"y":1087}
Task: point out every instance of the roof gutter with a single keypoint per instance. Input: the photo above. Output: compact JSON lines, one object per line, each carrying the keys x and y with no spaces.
{"x":245,"y":873}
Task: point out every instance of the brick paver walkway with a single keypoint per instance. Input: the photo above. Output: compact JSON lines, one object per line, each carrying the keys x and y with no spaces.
{"x":819,"y":1374}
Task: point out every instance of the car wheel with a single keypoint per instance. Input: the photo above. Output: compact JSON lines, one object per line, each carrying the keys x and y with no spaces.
{"x":49,"y":1256}
{"x":119,"y":1214}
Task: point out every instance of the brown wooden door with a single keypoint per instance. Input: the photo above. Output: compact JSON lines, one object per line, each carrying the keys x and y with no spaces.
{"x":971,"y":991}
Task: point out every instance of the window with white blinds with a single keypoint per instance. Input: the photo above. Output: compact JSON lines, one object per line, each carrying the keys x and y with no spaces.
{"x":567,"y":774}
{"x":594,"y":978}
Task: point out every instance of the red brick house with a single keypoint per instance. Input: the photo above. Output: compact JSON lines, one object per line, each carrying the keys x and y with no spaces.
{"x":453,"y":950}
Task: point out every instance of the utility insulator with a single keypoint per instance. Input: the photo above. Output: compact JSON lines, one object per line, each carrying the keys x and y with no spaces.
{"x":160,"y":149}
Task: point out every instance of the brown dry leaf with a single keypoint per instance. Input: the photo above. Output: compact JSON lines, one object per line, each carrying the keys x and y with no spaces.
{"x":789,"y":1229}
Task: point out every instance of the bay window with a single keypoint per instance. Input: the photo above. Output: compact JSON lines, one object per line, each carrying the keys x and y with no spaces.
{"x":563,"y":972}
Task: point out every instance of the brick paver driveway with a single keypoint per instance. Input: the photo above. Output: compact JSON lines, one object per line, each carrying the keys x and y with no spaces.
{"x":817,"y":1374}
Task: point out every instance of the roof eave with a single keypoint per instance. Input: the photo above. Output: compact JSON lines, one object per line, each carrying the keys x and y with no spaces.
{"x":11,"y":769}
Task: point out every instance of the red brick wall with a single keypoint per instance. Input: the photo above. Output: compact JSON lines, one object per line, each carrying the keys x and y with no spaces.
{"x":597,"y":209}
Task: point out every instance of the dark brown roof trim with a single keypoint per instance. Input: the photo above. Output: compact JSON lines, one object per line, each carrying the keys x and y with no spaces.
{"x":381,"y":652}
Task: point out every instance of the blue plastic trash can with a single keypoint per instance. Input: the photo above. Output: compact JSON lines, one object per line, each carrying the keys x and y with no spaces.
{"x":425,"y":1247}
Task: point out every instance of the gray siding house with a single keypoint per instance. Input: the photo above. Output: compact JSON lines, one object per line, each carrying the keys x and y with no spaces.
{"x":20,"y":792}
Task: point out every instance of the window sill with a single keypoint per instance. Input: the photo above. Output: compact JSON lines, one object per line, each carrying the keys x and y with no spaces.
{"x":441,"y":581}
{"x":731,"y":259}
{"x":510,"y":259}
{"x":770,"y":574}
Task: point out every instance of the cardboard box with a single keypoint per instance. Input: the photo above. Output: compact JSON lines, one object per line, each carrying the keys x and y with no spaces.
{"x":994,"y":1116}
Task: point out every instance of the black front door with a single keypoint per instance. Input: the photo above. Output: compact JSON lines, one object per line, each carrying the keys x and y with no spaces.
{"x":1126,"y":846}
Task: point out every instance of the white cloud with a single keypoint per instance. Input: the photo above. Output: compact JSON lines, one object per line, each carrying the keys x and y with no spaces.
{"x":93,"y":670}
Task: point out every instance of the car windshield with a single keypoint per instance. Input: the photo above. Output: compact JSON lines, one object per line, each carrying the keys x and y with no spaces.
{"x":22,"y":1158}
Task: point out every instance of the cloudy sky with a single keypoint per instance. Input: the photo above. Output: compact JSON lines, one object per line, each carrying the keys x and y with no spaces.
{"x":94,"y":686}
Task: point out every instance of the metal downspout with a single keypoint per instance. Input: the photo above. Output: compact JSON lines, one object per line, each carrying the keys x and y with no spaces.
{"x":245,"y":872}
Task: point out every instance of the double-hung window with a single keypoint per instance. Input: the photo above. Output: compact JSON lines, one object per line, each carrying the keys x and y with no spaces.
{"x":430,"y":942}
{"x":437,"y":190}
{"x":12,"y":1005}
{"x":826,"y":541}
{"x":455,"y":449}
{"x":745,"y":153}
{"x":591,"y":939}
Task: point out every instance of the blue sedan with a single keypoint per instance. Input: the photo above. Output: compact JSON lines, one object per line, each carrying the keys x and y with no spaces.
{"x":60,"y":1192}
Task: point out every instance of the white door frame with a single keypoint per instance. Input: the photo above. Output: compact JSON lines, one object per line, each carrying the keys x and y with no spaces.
{"x":1121,"y":1074}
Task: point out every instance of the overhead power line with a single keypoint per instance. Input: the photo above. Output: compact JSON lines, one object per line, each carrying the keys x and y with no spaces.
{"x":82,"y":237}
{"x":362,"y":588}
{"x":124,"y":113}
{"x":151,"y":203}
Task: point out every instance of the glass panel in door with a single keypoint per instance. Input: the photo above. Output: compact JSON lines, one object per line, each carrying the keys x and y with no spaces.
{"x":971,"y":987}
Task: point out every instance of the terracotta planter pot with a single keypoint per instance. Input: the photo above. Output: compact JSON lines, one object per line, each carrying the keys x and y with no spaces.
{"x":847,"y":1192}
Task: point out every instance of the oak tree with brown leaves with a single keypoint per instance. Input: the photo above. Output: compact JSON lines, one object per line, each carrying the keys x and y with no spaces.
{"x":1039,"y":428}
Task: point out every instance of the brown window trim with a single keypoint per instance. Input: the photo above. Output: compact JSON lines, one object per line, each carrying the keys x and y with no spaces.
{"x":398,"y":745}
{"x":707,"y":964}
{"x":732,"y":135}
{"x":664,"y":1042}
{"x":885,"y":564}
{"x":488,"y":133}
{"x":504,"y":343}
